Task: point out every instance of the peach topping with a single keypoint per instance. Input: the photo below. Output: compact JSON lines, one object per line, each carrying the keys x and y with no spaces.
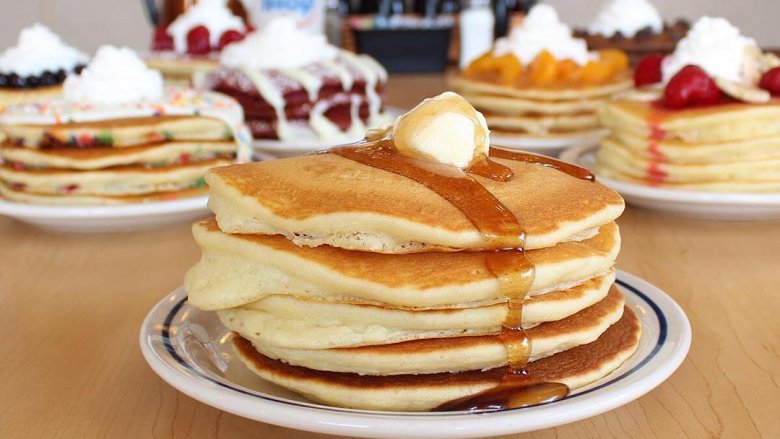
{"x":546,"y":70}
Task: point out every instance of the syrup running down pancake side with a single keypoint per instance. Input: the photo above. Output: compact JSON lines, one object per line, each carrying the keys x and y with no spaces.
{"x":504,"y":242}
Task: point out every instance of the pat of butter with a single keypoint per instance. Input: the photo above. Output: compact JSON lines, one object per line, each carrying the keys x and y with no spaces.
{"x":444,"y":129}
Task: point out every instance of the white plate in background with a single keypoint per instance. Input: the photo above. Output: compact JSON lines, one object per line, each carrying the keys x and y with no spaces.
{"x":107,"y":219}
{"x":683,"y":202}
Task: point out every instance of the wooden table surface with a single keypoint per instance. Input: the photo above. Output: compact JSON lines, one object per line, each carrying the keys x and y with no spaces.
{"x":71,"y":307}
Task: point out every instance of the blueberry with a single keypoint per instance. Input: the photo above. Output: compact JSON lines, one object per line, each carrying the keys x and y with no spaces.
{"x":33,"y":81}
{"x":17,"y":81}
{"x":4,"y":82}
{"x":48,"y":78}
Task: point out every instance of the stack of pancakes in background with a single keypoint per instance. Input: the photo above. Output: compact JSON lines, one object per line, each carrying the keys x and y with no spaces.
{"x":732,"y":147}
{"x":325,"y":100}
{"x":535,"y":112}
{"x":56,"y":152}
{"x":362,"y":288}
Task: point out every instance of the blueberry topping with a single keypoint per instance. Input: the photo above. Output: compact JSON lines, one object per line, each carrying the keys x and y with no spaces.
{"x":48,"y":78}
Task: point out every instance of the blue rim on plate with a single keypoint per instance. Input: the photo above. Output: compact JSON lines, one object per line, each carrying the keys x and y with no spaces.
{"x":661,"y":354}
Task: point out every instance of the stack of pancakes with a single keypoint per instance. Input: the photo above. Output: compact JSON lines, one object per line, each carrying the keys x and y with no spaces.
{"x":732,"y":147}
{"x":322,"y":100}
{"x":362,"y":288}
{"x":528,"y":112}
{"x":56,"y":152}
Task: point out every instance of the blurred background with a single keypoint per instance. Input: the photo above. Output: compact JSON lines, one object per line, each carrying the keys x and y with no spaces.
{"x":87,"y":24}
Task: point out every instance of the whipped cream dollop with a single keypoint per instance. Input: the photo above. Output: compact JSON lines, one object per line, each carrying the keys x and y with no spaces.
{"x":115,"y":76}
{"x":38,"y":50}
{"x":213,"y":14}
{"x":444,"y":129}
{"x":280,"y":44}
{"x":542,"y":30}
{"x":714,"y":45}
{"x":626,"y":17}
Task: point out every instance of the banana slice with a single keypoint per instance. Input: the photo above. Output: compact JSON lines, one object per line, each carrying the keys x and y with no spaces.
{"x":642,"y":94}
{"x":743,"y":92}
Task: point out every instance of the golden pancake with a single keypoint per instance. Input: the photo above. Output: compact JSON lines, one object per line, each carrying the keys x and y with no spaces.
{"x":561,"y":92}
{"x":153,"y":155}
{"x":121,"y":180}
{"x":574,"y":367}
{"x":719,"y":123}
{"x":376,"y":344}
{"x":326,"y":326}
{"x":517,"y":106}
{"x":679,"y":152}
{"x":543,"y":125}
{"x":614,"y":156}
{"x":328,"y":199}
{"x":239,"y":269}
{"x":11,"y":96}
{"x":119,"y":133}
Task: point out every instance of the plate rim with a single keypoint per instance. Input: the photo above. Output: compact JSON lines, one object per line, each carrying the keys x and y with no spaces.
{"x":53,"y":212}
{"x":340,"y":421}
{"x":577,"y":153}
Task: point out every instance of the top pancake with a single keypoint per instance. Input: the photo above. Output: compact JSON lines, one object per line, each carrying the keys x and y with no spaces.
{"x":328,"y":199}
{"x":561,"y":92}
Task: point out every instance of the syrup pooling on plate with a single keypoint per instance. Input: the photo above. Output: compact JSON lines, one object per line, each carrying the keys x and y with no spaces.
{"x":503,"y":234}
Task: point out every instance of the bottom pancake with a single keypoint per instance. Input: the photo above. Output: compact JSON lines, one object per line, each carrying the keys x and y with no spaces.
{"x":575,"y":367}
{"x":96,"y":200}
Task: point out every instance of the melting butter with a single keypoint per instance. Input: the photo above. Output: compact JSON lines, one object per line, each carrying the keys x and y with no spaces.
{"x":445,"y":129}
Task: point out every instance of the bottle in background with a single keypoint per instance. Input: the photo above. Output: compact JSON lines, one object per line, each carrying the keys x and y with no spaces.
{"x":476,"y":30}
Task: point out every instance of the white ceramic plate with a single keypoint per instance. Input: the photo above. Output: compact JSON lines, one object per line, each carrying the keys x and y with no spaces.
{"x":545,"y":145}
{"x":107,"y":219}
{"x":191,"y":350}
{"x":265,"y":149}
{"x":688,"y":203}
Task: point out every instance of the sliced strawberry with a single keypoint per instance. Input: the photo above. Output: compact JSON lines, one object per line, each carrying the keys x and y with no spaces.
{"x":162,"y":40}
{"x":198,"y":41}
{"x":691,"y":87}
{"x":771,"y":81}
{"x":230,"y":36}
{"x":648,"y":70}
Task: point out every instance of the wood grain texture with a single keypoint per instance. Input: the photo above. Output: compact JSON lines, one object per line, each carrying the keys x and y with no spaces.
{"x":71,"y":307}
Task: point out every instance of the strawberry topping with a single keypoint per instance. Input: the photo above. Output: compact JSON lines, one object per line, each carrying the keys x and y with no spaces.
{"x":228,"y":37}
{"x":648,"y":70}
{"x":691,"y":87}
{"x":162,"y":40}
{"x":198,"y":41}
{"x":771,"y":81}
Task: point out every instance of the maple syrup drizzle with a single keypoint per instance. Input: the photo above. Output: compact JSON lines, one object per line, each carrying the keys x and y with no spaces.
{"x":503,"y":236}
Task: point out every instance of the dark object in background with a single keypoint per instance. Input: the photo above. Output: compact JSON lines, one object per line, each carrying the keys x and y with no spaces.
{"x":503,"y":10}
{"x":406,"y":49}
{"x":645,"y":42}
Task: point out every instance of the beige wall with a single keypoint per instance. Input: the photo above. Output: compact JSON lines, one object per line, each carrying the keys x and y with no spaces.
{"x":89,"y":23}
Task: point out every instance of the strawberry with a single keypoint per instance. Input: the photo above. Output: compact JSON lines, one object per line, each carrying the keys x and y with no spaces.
{"x":691,"y":87}
{"x":198,"y":41}
{"x":771,"y":81}
{"x":161,"y":39}
{"x":230,"y":36}
{"x":648,"y":70}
